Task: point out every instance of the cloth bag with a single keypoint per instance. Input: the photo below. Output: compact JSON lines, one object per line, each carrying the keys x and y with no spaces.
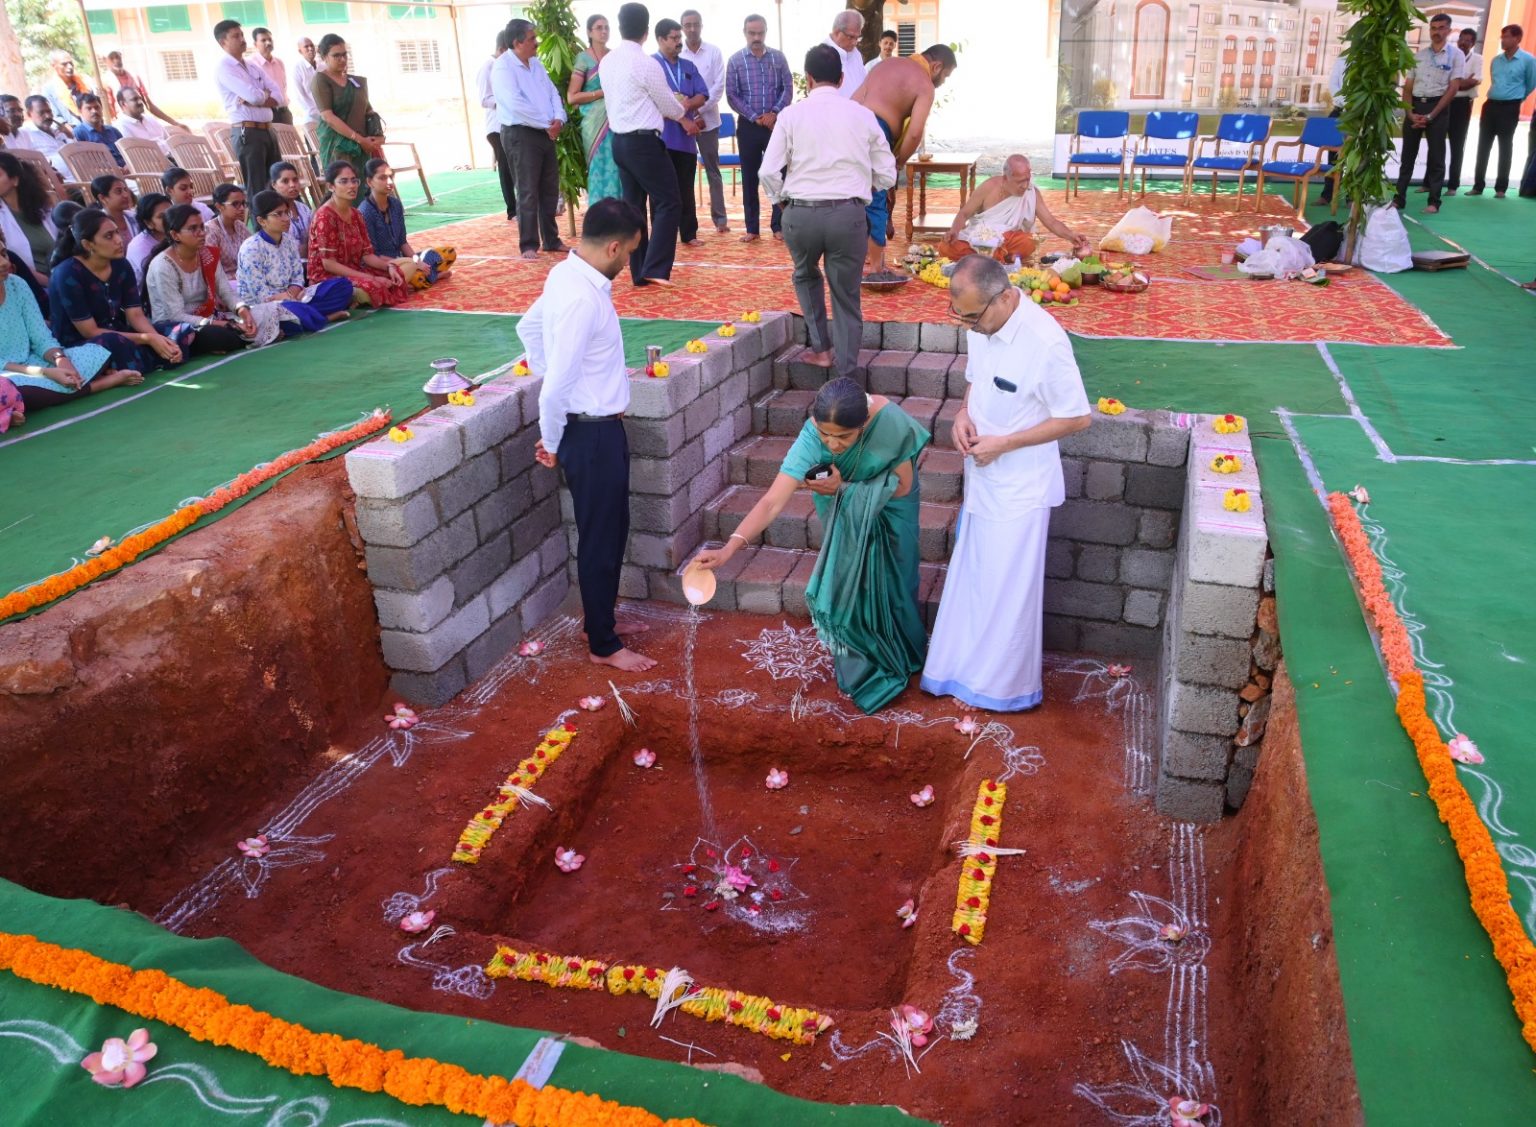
{"x":1383,"y":245}
{"x":1140,"y":231}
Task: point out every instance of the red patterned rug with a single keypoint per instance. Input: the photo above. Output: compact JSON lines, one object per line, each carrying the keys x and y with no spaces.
{"x":726,"y":277}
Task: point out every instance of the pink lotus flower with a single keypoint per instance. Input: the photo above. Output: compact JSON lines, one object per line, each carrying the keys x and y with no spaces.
{"x":1186,"y":1113}
{"x":907,"y":913}
{"x":254,"y":846}
{"x":568,"y":860}
{"x":776,"y":780}
{"x":531,"y":649}
{"x":1119,"y":670}
{"x":1360,"y":495}
{"x":914,"y":1022}
{"x":417,"y":921}
{"x":1463,"y":750}
{"x":737,"y":879}
{"x":121,"y":1063}
{"x":592,"y":704}
{"x":967,"y":726}
{"x":1170,"y":933}
{"x":645,"y":757}
{"x":402,"y":719}
{"x":923,"y":797}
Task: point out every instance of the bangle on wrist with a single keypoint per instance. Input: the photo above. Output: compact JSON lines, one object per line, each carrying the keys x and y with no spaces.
{"x":739,"y":536}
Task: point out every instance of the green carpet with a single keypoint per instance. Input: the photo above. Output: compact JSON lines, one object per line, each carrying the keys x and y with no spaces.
{"x":146,"y":449}
{"x":44,"y":1085}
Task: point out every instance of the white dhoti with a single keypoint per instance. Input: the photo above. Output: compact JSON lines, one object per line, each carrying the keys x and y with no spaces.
{"x":986,"y":643}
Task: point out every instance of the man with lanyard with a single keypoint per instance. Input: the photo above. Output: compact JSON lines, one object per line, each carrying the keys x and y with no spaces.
{"x":573,"y":341}
{"x":248,"y":103}
{"x":711,"y":67}
{"x":688,"y":84}
{"x":639,"y":101}
{"x":1427,"y":92}
{"x":758,"y":86}
{"x":1511,"y":79}
{"x":822,"y":159}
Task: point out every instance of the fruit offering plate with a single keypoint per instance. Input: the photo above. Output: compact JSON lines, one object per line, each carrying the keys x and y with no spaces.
{"x":1134,"y":282}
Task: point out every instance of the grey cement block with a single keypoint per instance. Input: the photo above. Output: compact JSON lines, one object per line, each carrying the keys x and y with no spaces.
{"x":1119,"y":438}
{"x":650,"y":512}
{"x":1167,"y":445}
{"x":777,"y":329}
{"x":938,"y":337}
{"x":1117,"y":639}
{"x":531,"y":387}
{"x":555,"y":552}
{"x":733,"y":392}
{"x":543,"y":482}
{"x":759,"y":378}
{"x":667,"y":475}
{"x":1202,"y":709}
{"x":1058,"y":559}
{"x":869,"y":334}
{"x":741,"y":421}
{"x":1155,"y":487}
{"x":432,"y":689}
{"x":386,"y":470}
{"x":486,"y":650}
{"x":748,"y":345}
{"x":1142,"y":567}
{"x":517,"y":452}
{"x":652,"y":550}
{"x":1094,"y":522}
{"x":1084,"y":600}
{"x":928,"y":374}
{"x":505,"y":504}
{"x":466,"y":484}
{"x":632,"y":582}
{"x":413,"y":568}
{"x":1144,"y":608}
{"x":705,"y":487}
{"x":429,"y":651}
{"x":715,"y":366}
{"x":1074,"y":474}
{"x":568,"y":506}
{"x":1105,"y":481}
{"x":797,"y":328}
{"x":479,"y":569}
{"x":509,"y":588}
{"x":416,"y":611}
{"x":1212,"y":609}
{"x":654,"y":438}
{"x":701,"y":414}
{"x":899,"y":335}
{"x":528,"y":531}
{"x":496,"y":416}
{"x":888,"y":372}
{"x":1097,"y":563}
{"x":1202,"y":660}
{"x":657,"y":399}
{"x":955,"y":381}
{"x":1158,"y":529}
{"x":718,"y":440}
{"x":1189,"y":800}
{"x":397,"y":524}
{"x":1193,"y":756}
{"x":544,"y":600}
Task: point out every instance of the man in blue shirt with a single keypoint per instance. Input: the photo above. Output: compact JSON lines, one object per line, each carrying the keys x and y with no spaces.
{"x":692,"y":92}
{"x":93,"y":127}
{"x":531,"y":116}
{"x":1512,"y":77}
{"x":757,"y":86}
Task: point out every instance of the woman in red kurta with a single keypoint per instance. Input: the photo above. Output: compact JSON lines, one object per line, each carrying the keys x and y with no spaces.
{"x":339,"y":246}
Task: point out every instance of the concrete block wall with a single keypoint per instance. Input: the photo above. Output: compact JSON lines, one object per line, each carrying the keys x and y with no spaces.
{"x":1212,"y":685}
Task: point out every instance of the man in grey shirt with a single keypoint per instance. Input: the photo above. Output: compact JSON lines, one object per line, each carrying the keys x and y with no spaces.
{"x":1428,"y":91}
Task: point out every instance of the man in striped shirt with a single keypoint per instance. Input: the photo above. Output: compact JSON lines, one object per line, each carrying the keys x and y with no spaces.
{"x":757,"y":86}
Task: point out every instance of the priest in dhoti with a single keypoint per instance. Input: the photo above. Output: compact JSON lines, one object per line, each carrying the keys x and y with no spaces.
{"x":999,"y":218}
{"x":1024,"y":393}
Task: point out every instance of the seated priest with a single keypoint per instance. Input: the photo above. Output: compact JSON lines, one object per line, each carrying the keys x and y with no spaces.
{"x":998,"y":218}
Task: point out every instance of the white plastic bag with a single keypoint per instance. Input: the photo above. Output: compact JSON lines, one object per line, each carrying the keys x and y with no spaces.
{"x":1282,"y":257}
{"x":1146,"y":230}
{"x":1383,"y":245}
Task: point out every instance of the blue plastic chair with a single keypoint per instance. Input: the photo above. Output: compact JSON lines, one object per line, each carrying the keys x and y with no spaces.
{"x":1247,"y":133}
{"x":1320,"y":133}
{"x":728,"y":161}
{"x":1100,"y":127}
{"x":1165,"y":125}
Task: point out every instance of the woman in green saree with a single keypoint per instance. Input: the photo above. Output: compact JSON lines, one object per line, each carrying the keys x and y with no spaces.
{"x":345,"y":113}
{"x":586,"y":91}
{"x":863,"y":592}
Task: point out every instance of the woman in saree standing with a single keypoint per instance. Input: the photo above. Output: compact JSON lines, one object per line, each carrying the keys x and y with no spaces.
{"x":857,"y":454}
{"x":586,"y":91}
{"x":341,"y":99}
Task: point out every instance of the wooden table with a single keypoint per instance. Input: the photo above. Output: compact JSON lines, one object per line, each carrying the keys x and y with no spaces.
{"x":918,"y":171}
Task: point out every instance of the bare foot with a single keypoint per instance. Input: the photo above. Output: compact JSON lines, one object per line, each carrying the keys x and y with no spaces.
{"x":664,"y":283}
{"x":530,"y":256}
{"x":626,"y":628}
{"x":123,"y":377}
{"x":627,"y":660}
{"x":694,"y":243}
{"x":778,"y":236}
{"x":820,"y":359}
{"x":750,"y":238}
{"x":723,"y":229}
{"x":339,"y":315}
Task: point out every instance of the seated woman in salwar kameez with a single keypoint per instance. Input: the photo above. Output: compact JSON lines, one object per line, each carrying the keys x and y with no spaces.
{"x":192,"y":300}
{"x":339,"y":246}
{"x":272,"y":272}
{"x":384,"y":216}
{"x":863,"y":592}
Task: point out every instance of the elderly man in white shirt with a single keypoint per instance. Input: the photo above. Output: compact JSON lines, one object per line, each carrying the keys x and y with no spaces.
{"x":847,"y":27}
{"x":573,"y":342}
{"x":638,"y":100}
{"x":249,"y":101}
{"x":711,"y":64}
{"x":135,"y":123}
{"x":1024,"y":393}
{"x":531,"y":115}
{"x":42,"y":133}
{"x":304,"y":82}
{"x":493,"y":125}
{"x":821,"y":162}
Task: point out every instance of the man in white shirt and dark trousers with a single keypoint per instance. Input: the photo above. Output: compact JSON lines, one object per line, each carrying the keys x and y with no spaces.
{"x":573,"y":342}
{"x":249,"y":100}
{"x":1428,"y":91}
{"x":304,"y":82}
{"x":531,"y":115}
{"x":493,"y":125}
{"x":639,"y":99}
{"x":847,"y":27}
{"x":710,"y":63}
{"x":1461,"y":105}
{"x":824,"y":156}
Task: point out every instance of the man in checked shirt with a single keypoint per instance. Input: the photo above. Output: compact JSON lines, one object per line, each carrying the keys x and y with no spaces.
{"x":757,"y":86}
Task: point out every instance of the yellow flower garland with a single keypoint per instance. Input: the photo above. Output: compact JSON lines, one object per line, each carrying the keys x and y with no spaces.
{"x":1228,"y":424}
{"x":477,"y":834}
{"x":206,"y":1015}
{"x":976,"y":873}
{"x":752,"y":1012}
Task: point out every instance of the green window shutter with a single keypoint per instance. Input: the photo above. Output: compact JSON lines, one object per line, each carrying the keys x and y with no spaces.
{"x":412,"y":12}
{"x":101,"y":23}
{"x":324,"y":11}
{"x":168,"y":17}
{"x":250,"y":13}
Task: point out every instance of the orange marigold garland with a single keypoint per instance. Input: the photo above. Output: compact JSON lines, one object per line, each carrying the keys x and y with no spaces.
{"x":206,"y":1015}
{"x":477,"y":834}
{"x":132,"y":547}
{"x":712,"y":1003}
{"x":1486,"y":878}
{"x":978,"y":867}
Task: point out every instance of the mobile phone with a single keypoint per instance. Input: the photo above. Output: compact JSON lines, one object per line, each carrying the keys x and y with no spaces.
{"x":819,"y":471}
{"x":1004,"y":385}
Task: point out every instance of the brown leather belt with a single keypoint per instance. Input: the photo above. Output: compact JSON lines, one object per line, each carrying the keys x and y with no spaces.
{"x":251,"y":125}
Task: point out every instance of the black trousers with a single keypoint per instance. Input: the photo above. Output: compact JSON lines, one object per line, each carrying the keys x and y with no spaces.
{"x":257,"y":152}
{"x":504,"y":174}
{"x":1327,"y":196}
{"x":537,"y":177}
{"x":647,"y":177}
{"x":1460,"y":114}
{"x":1499,"y":121}
{"x":1432,"y":135}
{"x":218,"y":337}
{"x":752,"y":142}
{"x":596,"y":460}
{"x":686,"y":167}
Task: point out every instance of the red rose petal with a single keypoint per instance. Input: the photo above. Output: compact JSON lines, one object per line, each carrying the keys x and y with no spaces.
{"x":735,"y":1005}
{"x":979,"y":874}
{"x":963,"y":929}
{"x":773,"y":866}
{"x":973,"y":902}
{"x":629,"y":974}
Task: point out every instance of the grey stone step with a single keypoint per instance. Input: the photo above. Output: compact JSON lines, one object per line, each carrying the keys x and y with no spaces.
{"x":797,"y":526}
{"x":894,"y":372}
{"x":783,"y":412}
{"x":756,"y":460}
